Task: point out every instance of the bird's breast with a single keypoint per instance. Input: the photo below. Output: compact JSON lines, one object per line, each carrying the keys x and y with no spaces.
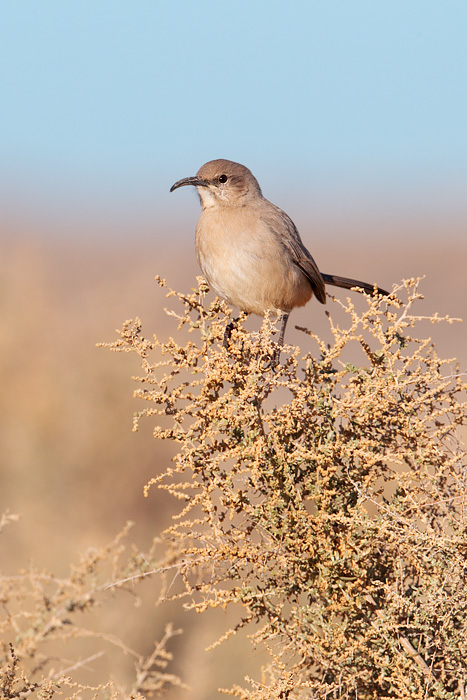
{"x":246,"y":265}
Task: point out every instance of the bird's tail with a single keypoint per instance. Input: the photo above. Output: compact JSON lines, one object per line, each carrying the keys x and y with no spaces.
{"x":347,"y":283}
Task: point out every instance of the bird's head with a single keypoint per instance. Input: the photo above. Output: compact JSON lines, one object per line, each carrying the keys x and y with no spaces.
{"x":222,"y":183}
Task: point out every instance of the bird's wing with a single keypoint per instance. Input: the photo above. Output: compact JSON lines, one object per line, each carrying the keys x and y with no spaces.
{"x":285,"y":231}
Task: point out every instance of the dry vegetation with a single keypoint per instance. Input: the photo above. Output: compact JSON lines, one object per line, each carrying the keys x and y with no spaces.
{"x":48,"y":629}
{"x":323,"y":501}
{"x":326,"y":500}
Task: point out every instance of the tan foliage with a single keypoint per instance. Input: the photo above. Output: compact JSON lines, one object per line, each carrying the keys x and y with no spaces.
{"x":325,"y":499}
{"x":46,"y":621}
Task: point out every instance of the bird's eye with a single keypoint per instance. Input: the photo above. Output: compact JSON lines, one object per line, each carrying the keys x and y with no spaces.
{"x":222,"y":178}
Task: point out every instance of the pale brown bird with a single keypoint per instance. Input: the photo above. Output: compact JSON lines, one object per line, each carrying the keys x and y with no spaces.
{"x":250,"y":250}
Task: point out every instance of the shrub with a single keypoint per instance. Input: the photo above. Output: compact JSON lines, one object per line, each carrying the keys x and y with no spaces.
{"x":323,"y":498}
{"x":53,"y":634}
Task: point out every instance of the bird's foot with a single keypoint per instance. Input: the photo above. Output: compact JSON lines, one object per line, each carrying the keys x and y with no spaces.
{"x":228,"y":332}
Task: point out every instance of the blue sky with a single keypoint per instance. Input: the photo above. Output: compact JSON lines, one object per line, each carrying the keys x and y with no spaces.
{"x":115,"y":97}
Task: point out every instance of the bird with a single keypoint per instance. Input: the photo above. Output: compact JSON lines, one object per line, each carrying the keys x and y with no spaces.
{"x":250,"y":251}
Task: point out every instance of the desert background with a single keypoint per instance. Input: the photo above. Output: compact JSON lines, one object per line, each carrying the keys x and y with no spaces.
{"x":81,"y":242}
{"x":71,"y":466}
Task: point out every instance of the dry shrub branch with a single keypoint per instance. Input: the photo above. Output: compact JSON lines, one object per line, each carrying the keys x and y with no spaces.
{"x":325,"y":498}
{"x":52,"y":639}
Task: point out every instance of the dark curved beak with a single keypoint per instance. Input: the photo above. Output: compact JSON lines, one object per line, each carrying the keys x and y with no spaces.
{"x":196,"y":181}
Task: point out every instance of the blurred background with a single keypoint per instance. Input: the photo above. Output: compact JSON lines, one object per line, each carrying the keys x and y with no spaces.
{"x":351,"y":115}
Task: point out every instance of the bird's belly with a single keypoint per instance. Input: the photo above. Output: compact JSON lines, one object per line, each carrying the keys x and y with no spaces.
{"x":250,"y":276}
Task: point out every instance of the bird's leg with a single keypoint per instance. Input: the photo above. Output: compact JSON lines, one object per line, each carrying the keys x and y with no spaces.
{"x":285,"y":318}
{"x":277,"y":352}
{"x":228,"y":332}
